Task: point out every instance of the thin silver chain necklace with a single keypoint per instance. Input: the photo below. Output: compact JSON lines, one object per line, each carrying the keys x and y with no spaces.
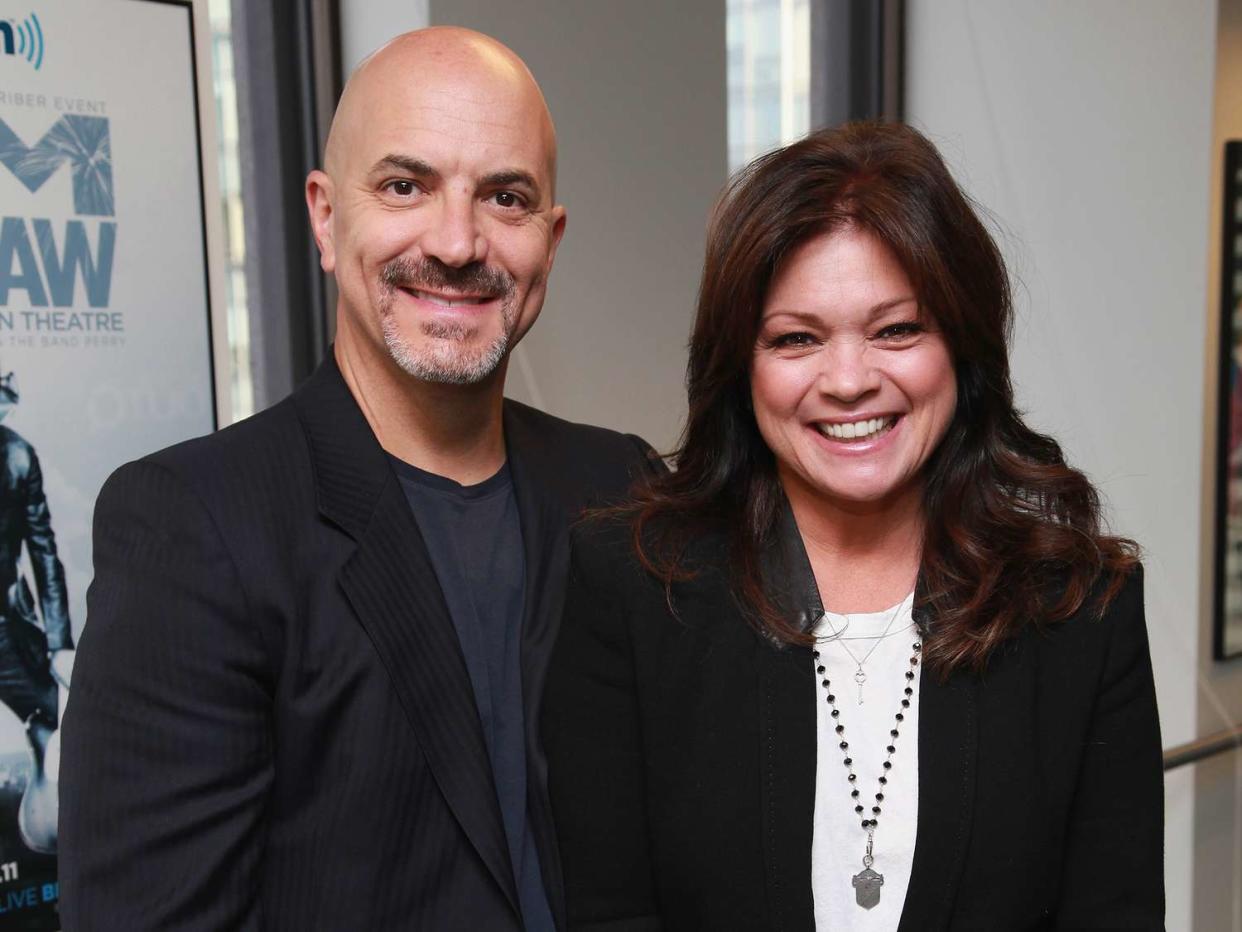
{"x":834,"y":636}
{"x":867,"y":882}
{"x":860,"y":675}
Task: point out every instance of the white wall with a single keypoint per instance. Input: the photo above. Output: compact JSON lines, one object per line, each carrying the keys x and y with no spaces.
{"x":368,"y":24}
{"x":1086,"y":128}
{"x":637,"y":91}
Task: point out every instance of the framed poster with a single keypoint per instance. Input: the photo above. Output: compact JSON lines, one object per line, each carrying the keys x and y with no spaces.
{"x":1228,"y":576}
{"x":105,"y":347}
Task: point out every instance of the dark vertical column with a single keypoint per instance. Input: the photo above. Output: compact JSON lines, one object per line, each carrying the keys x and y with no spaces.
{"x":287,"y":67}
{"x":857,"y":49}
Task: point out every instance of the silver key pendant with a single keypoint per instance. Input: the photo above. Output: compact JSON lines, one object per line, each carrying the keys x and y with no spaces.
{"x":867,"y":885}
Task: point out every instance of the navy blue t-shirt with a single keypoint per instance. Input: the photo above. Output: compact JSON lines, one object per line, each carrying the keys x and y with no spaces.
{"x":474,"y":537}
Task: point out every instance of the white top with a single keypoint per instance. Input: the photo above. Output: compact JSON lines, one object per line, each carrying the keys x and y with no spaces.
{"x":839,"y":841}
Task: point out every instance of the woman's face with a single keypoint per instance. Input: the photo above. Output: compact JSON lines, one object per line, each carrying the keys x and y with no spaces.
{"x":852,"y":387}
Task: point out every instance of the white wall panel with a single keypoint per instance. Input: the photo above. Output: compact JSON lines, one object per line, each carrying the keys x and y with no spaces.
{"x":1085,"y":128}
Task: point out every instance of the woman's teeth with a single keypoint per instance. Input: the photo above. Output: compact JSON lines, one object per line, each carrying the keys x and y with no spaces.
{"x":857,"y":430}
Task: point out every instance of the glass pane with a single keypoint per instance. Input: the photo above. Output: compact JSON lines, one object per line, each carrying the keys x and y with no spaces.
{"x":769,"y":75}
{"x":231,"y":206}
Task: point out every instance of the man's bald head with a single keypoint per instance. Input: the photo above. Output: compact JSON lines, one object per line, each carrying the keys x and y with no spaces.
{"x":468,"y":65}
{"x":436,"y":212}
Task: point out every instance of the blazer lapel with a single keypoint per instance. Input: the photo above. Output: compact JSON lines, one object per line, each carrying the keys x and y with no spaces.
{"x":787,"y":747}
{"x":392,"y":587}
{"x":544,"y":515}
{"x":948,"y":741}
{"x":787,"y":703}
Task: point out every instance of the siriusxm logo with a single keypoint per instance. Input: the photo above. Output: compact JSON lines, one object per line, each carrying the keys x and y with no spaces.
{"x":24,"y":39}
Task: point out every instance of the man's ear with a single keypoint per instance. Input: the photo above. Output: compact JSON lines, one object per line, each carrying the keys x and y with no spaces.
{"x":319,"y":207}
{"x":559,"y":218}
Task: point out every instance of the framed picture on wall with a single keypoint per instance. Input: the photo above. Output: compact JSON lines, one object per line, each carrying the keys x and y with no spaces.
{"x":106,"y":345}
{"x":1228,"y":551}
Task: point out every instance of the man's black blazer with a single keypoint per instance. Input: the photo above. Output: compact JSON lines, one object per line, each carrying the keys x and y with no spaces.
{"x":682,"y":756}
{"x":271,"y":724}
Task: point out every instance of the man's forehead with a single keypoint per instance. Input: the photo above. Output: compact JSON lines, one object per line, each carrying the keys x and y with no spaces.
{"x":458,"y":150}
{"x":444,"y":95}
{"x":475,"y":139}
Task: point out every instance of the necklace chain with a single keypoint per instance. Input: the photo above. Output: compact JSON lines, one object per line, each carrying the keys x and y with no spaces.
{"x":834,"y":636}
{"x":867,"y":882}
{"x":860,"y":675}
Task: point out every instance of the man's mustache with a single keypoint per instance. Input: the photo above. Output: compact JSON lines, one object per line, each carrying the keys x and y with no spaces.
{"x":432,"y":274}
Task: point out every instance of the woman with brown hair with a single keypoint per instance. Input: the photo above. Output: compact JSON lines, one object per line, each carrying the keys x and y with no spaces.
{"x":867,"y":659}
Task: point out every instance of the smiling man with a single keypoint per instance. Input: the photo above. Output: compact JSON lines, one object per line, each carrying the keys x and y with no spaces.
{"x":306,"y":692}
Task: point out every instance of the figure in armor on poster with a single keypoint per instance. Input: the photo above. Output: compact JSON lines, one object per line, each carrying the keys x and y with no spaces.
{"x":30,"y":669}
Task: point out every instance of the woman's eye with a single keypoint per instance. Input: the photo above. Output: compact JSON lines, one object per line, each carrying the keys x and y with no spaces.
{"x":791,"y":340}
{"x":901,"y":331}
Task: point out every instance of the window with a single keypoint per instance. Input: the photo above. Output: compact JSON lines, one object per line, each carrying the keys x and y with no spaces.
{"x":225,"y":89}
{"x":769,"y":75}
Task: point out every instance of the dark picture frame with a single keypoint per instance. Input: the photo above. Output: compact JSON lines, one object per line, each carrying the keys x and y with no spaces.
{"x":133,"y":153}
{"x":1227,"y":594}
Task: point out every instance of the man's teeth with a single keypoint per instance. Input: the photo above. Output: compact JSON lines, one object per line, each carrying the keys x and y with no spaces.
{"x":857,"y":430}
{"x":446,"y":302}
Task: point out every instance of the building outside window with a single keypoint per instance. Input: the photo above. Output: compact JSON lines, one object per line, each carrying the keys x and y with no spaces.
{"x":769,"y":75}
{"x":239,"y":374}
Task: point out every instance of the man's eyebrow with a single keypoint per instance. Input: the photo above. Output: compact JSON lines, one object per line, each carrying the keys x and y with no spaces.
{"x":405,"y":163}
{"x":510,"y":177}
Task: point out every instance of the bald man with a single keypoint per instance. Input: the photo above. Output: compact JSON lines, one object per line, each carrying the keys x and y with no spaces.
{"x":305,"y":696}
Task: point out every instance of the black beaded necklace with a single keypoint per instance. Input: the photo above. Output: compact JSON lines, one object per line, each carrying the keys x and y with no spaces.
{"x":867,"y":882}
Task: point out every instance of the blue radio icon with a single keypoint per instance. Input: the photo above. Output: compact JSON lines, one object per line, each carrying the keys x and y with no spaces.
{"x":24,"y":39}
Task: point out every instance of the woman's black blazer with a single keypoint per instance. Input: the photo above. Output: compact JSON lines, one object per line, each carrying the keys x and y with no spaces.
{"x":682,"y":755}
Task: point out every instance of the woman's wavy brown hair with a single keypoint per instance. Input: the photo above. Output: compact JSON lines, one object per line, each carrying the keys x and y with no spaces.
{"x":1013,"y":534}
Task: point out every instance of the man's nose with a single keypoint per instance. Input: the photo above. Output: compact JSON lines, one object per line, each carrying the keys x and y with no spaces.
{"x":453,"y":234}
{"x":848,"y":371}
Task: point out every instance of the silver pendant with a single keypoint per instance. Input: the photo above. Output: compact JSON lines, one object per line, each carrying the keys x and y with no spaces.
{"x":860,"y":678}
{"x":867,"y":885}
{"x":867,"y":882}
